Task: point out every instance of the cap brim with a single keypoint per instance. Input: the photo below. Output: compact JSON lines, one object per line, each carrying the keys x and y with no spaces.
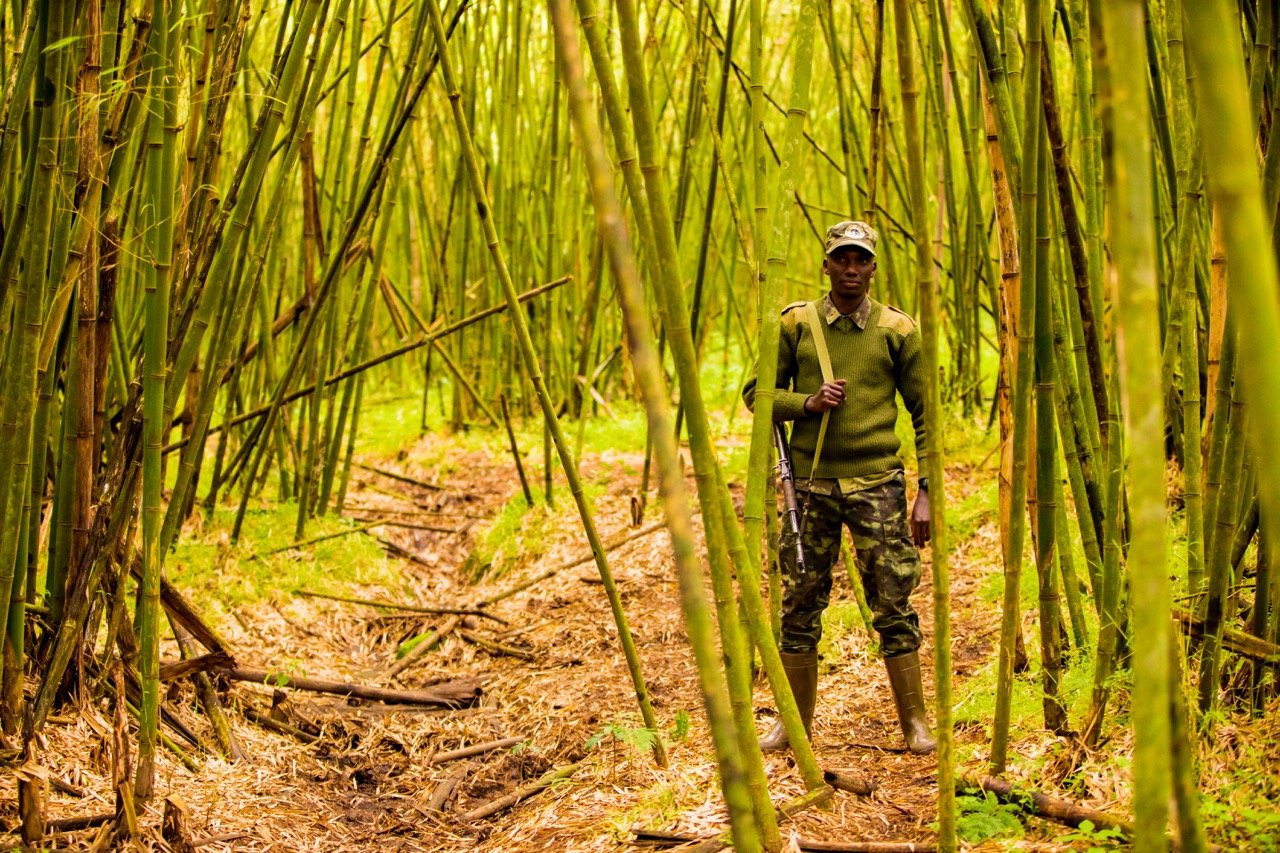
{"x":840,"y":244}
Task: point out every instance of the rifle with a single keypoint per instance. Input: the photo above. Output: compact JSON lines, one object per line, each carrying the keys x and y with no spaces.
{"x":786,"y":474}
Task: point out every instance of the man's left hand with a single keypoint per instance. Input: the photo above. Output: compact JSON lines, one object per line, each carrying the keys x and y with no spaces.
{"x":921,"y":517}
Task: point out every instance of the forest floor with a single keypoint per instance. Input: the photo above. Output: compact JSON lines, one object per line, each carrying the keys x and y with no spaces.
{"x":363,"y":778}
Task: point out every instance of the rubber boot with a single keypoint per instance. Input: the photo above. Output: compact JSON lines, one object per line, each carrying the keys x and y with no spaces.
{"x":802,"y":675}
{"x":908,"y":695}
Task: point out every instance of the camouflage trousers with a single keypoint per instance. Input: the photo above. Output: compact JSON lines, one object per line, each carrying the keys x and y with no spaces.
{"x":887,"y":559}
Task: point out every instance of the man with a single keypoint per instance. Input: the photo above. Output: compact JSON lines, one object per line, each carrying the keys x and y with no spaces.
{"x":872,"y":354}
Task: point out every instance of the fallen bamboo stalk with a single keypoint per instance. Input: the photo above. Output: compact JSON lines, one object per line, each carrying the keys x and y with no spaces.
{"x":495,"y":647}
{"x":408,"y":608}
{"x":269,"y":722}
{"x":75,"y":824}
{"x":181,"y":611}
{"x":459,"y":693}
{"x":582,"y":561}
{"x":444,"y":789}
{"x":398,"y":551}
{"x":474,"y":749}
{"x":418,"y":343}
{"x":220,"y":837}
{"x":1062,"y":811}
{"x":171,"y":670}
{"x":662,"y":839}
{"x":791,"y":808}
{"x":502,"y":803}
{"x":409,"y":525}
{"x":315,"y":540}
{"x":1245,"y":645}
{"x":398,"y":477}
{"x":426,"y":644}
{"x":67,"y":788}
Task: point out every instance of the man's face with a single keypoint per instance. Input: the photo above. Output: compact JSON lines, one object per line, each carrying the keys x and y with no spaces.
{"x":850,"y":269}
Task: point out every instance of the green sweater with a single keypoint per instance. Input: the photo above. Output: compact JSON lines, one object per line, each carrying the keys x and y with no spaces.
{"x":877,"y":349}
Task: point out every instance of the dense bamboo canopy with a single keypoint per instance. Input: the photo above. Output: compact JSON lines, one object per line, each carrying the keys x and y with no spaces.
{"x":223,"y":222}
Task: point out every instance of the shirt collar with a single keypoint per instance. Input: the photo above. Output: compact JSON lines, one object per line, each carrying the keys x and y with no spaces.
{"x":859,"y":315}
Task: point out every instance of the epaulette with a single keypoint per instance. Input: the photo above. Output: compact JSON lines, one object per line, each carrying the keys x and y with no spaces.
{"x":799,"y":304}
{"x":896,"y":319}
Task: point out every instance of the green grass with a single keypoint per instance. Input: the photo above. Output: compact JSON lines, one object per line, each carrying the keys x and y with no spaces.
{"x":210,"y":570}
{"x":517,"y":534}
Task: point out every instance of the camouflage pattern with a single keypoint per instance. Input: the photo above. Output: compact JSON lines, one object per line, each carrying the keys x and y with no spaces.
{"x":887,"y":561}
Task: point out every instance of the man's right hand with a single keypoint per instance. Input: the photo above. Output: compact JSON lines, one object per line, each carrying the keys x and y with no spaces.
{"x":830,"y":395}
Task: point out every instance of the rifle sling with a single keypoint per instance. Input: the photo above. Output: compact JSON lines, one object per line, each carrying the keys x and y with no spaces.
{"x":817,"y":327}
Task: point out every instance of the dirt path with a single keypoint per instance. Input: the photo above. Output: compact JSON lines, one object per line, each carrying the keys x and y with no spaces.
{"x":367,"y":782}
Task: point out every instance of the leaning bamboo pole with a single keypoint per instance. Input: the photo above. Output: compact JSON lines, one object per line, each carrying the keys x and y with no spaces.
{"x":1135,"y":264}
{"x":725,"y":548}
{"x":531,"y":364}
{"x":644,"y":358}
{"x":724,"y":538}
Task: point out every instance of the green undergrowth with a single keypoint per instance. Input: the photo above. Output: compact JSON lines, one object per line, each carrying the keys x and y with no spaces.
{"x":518,"y":533}
{"x":212,"y":570}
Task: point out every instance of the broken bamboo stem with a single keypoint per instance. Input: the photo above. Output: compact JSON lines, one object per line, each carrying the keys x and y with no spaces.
{"x":1245,"y":645}
{"x":1061,"y":811}
{"x":659,"y":838}
{"x":582,"y":561}
{"x":843,"y":781}
{"x":459,"y":693}
{"x":502,"y":803}
{"x":171,"y":670}
{"x":474,"y":749}
{"x":409,"y":608}
{"x":398,"y":477}
{"x":495,"y":647}
{"x":426,"y":644}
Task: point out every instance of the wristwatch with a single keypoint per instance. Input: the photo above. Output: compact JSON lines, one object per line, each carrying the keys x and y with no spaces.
{"x":924,"y":484}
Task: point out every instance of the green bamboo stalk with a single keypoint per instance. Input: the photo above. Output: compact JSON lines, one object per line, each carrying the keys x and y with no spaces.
{"x":1067,"y":572}
{"x":1193,"y":498}
{"x":1218,"y":554}
{"x":1094,"y":391}
{"x":1085,"y":492}
{"x":1109,"y":616}
{"x":682,"y":340}
{"x":161,"y":141}
{"x":930,"y":458}
{"x":993,"y":66}
{"x":1047,"y":534}
{"x":1022,"y":389}
{"x":671,"y":482}
{"x":724,"y":538}
{"x":1185,"y":789}
{"x":1233,"y":186}
{"x":1134,"y":254}
{"x":529,"y":356}
{"x":773,"y":274}
{"x":26,"y":300}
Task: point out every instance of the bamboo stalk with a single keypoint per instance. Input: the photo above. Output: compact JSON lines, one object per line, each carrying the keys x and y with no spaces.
{"x":530,"y":360}
{"x":1233,"y":185}
{"x":715,"y":691}
{"x":1134,"y":254}
{"x":1022,"y":389}
{"x":930,"y":457}
{"x":160,"y":173}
